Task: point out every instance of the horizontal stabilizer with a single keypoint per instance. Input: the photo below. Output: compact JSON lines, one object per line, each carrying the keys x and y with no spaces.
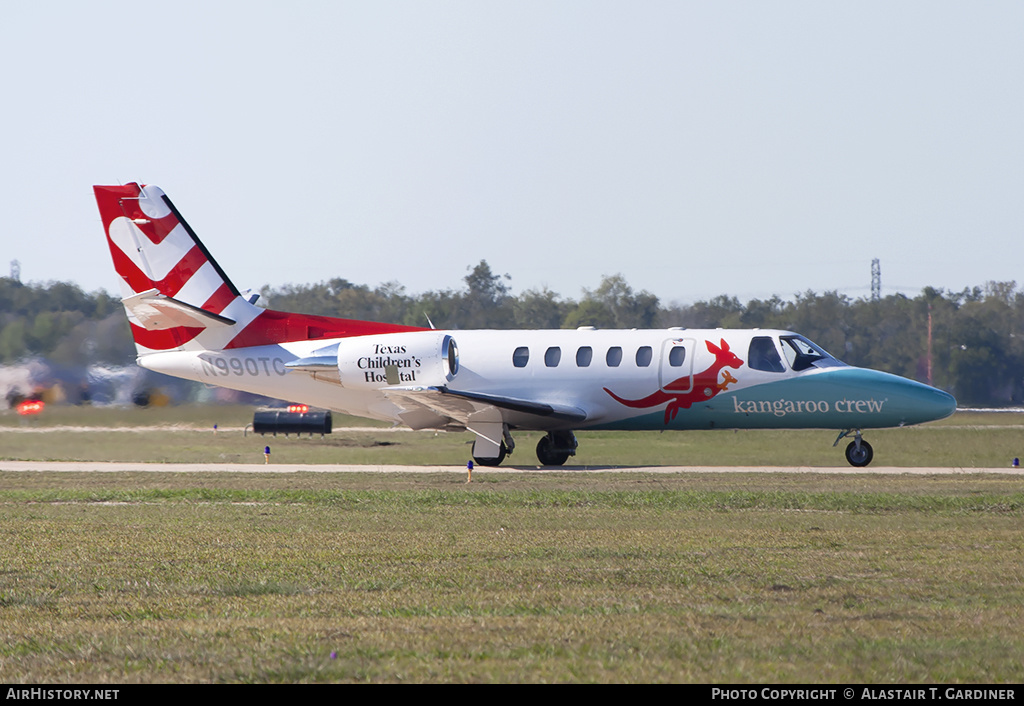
{"x":158,"y":312}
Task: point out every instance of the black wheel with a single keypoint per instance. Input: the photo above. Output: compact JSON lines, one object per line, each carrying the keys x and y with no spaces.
{"x":860,"y":453}
{"x":492,"y":461}
{"x":547,"y":455}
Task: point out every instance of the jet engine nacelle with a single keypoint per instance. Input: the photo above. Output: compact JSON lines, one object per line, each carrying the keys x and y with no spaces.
{"x":416,"y":358}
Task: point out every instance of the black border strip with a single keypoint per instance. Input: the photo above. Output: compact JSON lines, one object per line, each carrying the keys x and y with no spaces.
{"x":197,"y":241}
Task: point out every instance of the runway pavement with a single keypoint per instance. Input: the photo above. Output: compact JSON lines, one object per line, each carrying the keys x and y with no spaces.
{"x":76,"y":466}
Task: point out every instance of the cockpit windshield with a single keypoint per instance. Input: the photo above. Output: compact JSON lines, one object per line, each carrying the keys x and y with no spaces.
{"x":762,"y":355}
{"x":802,"y":354}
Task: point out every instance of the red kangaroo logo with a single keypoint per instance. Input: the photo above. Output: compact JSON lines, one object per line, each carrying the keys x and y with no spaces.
{"x":705,"y":385}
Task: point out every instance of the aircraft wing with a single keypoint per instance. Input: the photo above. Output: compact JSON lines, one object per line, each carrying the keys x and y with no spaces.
{"x":157,"y":312}
{"x":424,"y":405}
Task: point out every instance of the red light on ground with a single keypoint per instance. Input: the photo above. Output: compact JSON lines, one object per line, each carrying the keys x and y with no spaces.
{"x":30,"y":407}
{"x":300,"y":408}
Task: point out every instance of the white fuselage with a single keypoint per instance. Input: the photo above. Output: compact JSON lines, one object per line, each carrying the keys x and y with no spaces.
{"x":635,"y":379}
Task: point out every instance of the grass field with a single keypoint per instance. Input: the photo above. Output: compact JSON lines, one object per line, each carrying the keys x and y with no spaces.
{"x":185,"y":434}
{"x":612,"y":577}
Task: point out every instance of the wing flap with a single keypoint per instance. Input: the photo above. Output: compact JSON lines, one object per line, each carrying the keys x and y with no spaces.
{"x":426,"y":406}
{"x":541,"y":409}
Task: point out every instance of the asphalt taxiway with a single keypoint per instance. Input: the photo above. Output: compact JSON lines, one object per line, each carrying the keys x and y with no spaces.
{"x":114,"y":467}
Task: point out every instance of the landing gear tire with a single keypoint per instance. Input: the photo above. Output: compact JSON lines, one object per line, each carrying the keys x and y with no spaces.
{"x":492,"y":461}
{"x":859,"y":453}
{"x":547,"y":455}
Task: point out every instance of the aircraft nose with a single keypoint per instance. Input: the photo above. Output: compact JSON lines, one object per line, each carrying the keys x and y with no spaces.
{"x":914,"y":402}
{"x":936,"y":404}
{"x":889,"y":400}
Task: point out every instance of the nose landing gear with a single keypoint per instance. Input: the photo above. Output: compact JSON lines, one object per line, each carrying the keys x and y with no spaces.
{"x":858,"y":452}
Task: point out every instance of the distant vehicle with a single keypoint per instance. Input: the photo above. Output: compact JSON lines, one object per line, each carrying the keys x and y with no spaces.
{"x":190,"y":321}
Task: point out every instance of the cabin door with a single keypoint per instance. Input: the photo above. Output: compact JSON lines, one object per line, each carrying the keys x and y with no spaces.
{"x":675,"y":373}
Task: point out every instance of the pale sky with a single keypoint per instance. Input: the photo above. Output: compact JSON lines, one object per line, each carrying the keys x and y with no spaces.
{"x":697,"y":148}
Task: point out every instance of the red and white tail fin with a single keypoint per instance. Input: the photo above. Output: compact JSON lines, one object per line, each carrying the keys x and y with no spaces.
{"x":176,"y":295}
{"x":173,"y":291}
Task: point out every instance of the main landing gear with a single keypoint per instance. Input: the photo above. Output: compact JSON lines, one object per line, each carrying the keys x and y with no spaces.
{"x":858,"y":452}
{"x":491,"y":461}
{"x":554,"y":449}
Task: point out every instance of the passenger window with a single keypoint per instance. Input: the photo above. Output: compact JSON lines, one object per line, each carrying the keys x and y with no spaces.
{"x":676,"y":356}
{"x":613,"y":357}
{"x":643,"y":356}
{"x":521,"y":357}
{"x":762,"y":355}
{"x":552,"y":355}
{"x":584,"y":355}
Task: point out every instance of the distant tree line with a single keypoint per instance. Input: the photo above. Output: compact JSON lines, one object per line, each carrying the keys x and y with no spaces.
{"x":976,"y":341}
{"x":60,"y":322}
